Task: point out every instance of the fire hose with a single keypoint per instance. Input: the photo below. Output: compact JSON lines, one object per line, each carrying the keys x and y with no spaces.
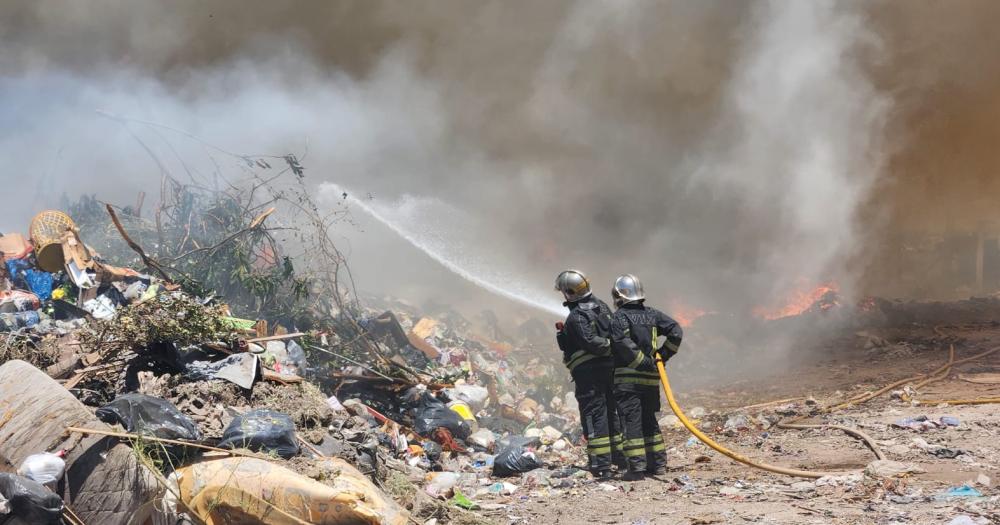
{"x":665,"y":382}
{"x":936,"y":375}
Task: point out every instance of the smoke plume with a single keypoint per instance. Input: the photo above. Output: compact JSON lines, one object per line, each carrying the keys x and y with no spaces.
{"x":720,"y":151}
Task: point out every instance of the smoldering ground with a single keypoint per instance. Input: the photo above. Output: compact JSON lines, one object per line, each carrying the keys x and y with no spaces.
{"x":722,"y":152}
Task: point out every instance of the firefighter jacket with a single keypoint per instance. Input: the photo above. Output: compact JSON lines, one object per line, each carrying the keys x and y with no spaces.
{"x":636,"y":333}
{"x":585,"y":339}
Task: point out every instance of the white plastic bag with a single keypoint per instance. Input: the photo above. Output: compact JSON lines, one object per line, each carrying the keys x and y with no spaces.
{"x":42,"y":468}
{"x":474,"y":395}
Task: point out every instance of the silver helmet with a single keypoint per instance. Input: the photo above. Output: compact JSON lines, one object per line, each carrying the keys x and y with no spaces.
{"x":573,"y":285}
{"x":628,"y":289}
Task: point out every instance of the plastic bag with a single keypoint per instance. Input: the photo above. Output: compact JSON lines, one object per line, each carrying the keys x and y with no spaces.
{"x":430,"y":413}
{"x":15,"y":269}
{"x":441,"y":483}
{"x":142,"y":414}
{"x":296,"y":358}
{"x":29,"y":500}
{"x":13,"y":321}
{"x":42,"y":468}
{"x":259,"y":430}
{"x":514,"y":460}
{"x":474,"y":395}
{"x":39,"y":282}
{"x":240,"y":369}
{"x":18,"y":301}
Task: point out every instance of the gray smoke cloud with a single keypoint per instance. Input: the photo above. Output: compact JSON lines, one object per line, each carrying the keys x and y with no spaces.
{"x":720,"y":151}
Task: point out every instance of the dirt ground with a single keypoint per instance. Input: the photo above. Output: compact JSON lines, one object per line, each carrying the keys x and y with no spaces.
{"x":705,"y":487}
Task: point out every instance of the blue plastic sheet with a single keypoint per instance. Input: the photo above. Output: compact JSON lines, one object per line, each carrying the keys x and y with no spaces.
{"x":23,"y":275}
{"x":15,"y":267}
{"x":964,"y":491}
{"x":39,"y":282}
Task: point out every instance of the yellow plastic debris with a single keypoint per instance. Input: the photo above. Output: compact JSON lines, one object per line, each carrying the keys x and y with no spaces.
{"x":462,"y":409}
{"x":248,"y":491}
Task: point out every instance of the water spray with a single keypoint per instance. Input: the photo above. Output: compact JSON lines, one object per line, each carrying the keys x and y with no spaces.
{"x":472,"y":269}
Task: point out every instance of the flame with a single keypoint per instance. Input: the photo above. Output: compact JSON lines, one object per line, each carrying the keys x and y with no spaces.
{"x":799,"y":301}
{"x":684,"y":314}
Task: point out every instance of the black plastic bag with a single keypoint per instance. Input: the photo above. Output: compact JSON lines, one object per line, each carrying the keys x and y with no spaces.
{"x":515,"y":459}
{"x":432,"y":450}
{"x":30,"y":501}
{"x":262,"y":430}
{"x":429,"y":413}
{"x":142,"y":414}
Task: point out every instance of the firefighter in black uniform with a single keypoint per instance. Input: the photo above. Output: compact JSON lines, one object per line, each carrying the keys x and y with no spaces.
{"x":585,"y":340}
{"x":638,"y":333}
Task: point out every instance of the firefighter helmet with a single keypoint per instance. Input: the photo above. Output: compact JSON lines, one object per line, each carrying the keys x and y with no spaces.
{"x":628,"y":289}
{"x":573,"y":285}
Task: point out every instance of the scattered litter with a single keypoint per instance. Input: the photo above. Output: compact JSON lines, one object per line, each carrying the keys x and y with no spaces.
{"x":947,"y":453}
{"x":460,"y":500}
{"x":262,"y":430}
{"x":29,"y":500}
{"x":441,"y":483}
{"x":142,"y":414}
{"x":950,"y":421}
{"x":515,"y":459}
{"x":918,"y":424}
{"x":983,"y":480}
{"x":43,"y":468}
{"x":884,"y":468}
{"x":483,"y":438}
{"x":963,"y":491}
{"x":239,"y":369}
{"x":730,"y":491}
{"x":736,"y":423}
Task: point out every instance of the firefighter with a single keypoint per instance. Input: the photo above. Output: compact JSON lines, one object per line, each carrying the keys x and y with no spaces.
{"x":639,"y":332}
{"x":585,"y":340}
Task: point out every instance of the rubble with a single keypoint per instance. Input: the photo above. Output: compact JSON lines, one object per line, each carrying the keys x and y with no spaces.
{"x":191,"y":368}
{"x":291,"y":384}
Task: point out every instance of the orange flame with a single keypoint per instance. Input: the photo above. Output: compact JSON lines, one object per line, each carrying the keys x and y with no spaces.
{"x":684,"y":314}
{"x":797,"y":303}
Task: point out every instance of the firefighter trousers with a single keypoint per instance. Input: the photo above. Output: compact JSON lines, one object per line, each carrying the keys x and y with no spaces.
{"x":599,"y":417}
{"x":643,"y":446}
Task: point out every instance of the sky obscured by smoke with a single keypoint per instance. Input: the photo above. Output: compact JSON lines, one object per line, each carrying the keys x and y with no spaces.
{"x":721,"y":151}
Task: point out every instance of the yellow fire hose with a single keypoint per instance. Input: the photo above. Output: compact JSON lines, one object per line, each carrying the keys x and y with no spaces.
{"x":719,"y":448}
{"x":937,"y":375}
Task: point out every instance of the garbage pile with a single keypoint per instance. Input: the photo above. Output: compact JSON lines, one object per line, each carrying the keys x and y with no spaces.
{"x":123,"y":386}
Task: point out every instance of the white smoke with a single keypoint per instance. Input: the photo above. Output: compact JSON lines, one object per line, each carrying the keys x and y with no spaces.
{"x":719,"y":152}
{"x":800,"y":141}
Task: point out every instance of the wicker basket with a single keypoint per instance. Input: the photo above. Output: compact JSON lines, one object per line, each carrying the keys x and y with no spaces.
{"x":47,"y":229}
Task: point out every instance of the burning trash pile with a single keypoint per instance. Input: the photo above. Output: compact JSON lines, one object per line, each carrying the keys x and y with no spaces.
{"x":208,"y":379}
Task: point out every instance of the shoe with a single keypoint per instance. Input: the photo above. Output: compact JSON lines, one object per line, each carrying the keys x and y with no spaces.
{"x":633,"y":476}
{"x":662,"y":471}
{"x":602,"y":475}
